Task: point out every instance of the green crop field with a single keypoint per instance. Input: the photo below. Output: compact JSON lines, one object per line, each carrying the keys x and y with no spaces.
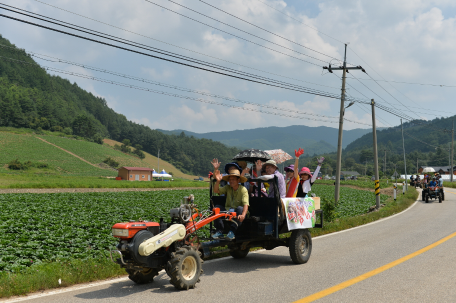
{"x":30,"y":148}
{"x":38,"y":227}
{"x":352,"y":202}
{"x":47,"y":227}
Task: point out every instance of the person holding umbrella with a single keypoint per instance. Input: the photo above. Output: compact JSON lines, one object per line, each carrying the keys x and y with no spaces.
{"x":271,"y":169}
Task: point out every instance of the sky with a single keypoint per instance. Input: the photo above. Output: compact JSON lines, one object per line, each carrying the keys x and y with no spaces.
{"x":410,"y":41}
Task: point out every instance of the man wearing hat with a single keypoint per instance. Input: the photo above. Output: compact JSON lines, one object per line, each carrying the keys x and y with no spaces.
{"x":237,"y":198}
{"x":271,"y":168}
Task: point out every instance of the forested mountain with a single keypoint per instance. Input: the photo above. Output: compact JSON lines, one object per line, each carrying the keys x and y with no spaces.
{"x":31,"y":98}
{"x":314,"y":140}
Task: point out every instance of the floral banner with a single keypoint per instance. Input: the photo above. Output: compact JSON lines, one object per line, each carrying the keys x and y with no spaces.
{"x":300,"y":212}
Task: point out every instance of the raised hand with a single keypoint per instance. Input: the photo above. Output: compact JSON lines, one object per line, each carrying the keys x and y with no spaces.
{"x":299,"y":152}
{"x":320,"y":161}
{"x":215,"y":162}
{"x":217,"y":176}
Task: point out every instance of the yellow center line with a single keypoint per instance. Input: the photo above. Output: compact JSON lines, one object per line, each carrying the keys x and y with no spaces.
{"x":372,"y":273}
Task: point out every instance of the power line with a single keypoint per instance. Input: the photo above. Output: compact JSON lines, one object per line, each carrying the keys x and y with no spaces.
{"x":241,"y":37}
{"x":311,"y":27}
{"x":173,"y":45}
{"x":36,"y":55}
{"x":172,"y":94}
{"x":280,"y":84}
{"x":294,"y":42}
{"x":412,"y":83}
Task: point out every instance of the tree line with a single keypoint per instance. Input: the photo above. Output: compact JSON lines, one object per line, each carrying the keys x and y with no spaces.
{"x":31,"y":98}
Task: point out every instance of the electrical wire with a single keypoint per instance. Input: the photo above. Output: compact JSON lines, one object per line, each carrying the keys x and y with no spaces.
{"x":85,"y":66}
{"x":311,"y":27}
{"x":186,"y":49}
{"x":294,"y":42}
{"x":52,"y":69}
{"x":223,"y":31}
{"x":283,"y":85}
{"x":412,"y":83}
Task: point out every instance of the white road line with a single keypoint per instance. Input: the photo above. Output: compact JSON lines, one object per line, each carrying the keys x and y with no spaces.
{"x":90,"y":285}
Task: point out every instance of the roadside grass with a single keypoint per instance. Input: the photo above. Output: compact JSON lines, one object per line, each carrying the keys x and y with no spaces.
{"x":46,"y":275}
{"x":31,"y":180}
{"x":391,"y":207}
{"x":449,"y":184}
{"x":361,"y":183}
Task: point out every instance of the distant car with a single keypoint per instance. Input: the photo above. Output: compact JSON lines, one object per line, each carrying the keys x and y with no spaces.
{"x":199,"y":179}
{"x":326,"y":177}
{"x":333,"y":178}
{"x":342,"y":177}
{"x":353,"y":178}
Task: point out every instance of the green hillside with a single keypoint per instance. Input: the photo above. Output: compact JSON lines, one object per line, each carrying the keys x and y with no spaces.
{"x":24,"y":145}
{"x":31,"y":98}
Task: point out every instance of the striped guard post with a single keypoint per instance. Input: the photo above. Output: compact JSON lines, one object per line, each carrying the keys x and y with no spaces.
{"x":377,"y":187}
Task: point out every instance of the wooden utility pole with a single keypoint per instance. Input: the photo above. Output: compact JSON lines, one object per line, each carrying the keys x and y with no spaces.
{"x":452,"y":150}
{"x":405,"y":162}
{"x":345,"y":69}
{"x":374,"y":135}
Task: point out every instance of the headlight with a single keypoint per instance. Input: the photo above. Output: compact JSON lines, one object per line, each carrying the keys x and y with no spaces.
{"x":120,"y":232}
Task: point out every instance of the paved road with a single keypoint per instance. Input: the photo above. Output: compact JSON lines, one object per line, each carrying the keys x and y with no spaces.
{"x":269,"y":276}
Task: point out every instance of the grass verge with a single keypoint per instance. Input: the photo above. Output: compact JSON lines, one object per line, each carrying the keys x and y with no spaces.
{"x":391,"y":207}
{"x":45,"y":276}
{"x":50,"y":181}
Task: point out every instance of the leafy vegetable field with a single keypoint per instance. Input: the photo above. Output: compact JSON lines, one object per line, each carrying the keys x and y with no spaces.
{"x":352,"y":202}
{"x":38,"y":227}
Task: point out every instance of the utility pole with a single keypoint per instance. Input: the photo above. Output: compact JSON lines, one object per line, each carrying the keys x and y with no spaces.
{"x":452,"y":150}
{"x":416,"y":165}
{"x":374,"y":135}
{"x":345,"y":69}
{"x":405,"y":162}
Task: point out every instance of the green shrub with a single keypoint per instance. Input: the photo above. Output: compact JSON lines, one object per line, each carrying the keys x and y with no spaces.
{"x":329,"y":209}
{"x":56,"y":128}
{"x":15,"y":165}
{"x":68,"y":131}
{"x":111,"y":162}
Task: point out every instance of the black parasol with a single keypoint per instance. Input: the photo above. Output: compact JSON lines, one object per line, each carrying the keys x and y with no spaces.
{"x":252,"y":155}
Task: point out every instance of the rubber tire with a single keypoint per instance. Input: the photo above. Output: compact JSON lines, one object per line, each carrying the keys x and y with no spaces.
{"x":422,"y":197}
{"x":299,"y":238}
{"x":142,"y":277}
{"x":175,"y":268}
{"x":427,"y":198}
{"x":443,"y":196}
{"x":440,"y":198}
{"x":239,"y":253}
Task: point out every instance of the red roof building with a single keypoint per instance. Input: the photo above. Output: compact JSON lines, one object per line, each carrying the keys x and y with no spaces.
{"x":135,"y":173}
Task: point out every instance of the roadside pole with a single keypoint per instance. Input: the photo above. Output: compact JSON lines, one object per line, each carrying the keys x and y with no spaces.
{"x":405,"y":161}
{"x":345,"y":69}
{"x":452,"y":149}
{"x":374,"y":135}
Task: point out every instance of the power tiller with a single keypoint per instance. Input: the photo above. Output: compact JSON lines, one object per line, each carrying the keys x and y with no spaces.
{"x":145,"y":248}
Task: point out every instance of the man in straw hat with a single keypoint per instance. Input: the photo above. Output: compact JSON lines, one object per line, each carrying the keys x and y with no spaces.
{"x":237,"y":198}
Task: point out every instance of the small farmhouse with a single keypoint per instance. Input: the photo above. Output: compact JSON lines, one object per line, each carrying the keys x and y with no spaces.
{"x":135,"y":173}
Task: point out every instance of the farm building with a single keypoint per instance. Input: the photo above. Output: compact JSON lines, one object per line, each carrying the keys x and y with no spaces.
{"x":135,"y":173}
{"x":349,"y":173}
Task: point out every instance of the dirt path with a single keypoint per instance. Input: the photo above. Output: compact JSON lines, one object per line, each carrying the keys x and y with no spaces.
{"x":83,"y":190}
{"x":67,"y":151}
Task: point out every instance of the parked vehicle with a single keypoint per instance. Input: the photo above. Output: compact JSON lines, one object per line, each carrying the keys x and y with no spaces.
{"x":199,"y":179}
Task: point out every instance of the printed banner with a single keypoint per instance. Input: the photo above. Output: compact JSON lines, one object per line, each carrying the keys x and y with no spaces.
{"x":300,"y":212}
